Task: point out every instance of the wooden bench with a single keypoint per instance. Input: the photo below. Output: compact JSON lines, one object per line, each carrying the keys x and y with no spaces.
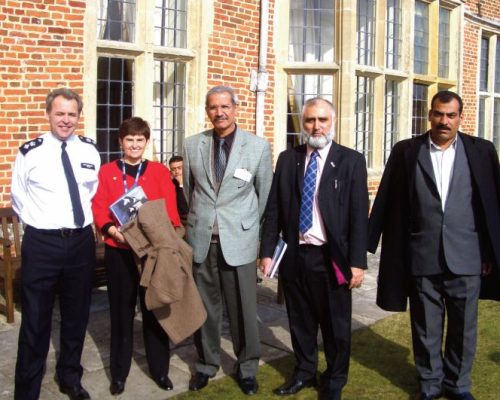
{"x":10,"y":259}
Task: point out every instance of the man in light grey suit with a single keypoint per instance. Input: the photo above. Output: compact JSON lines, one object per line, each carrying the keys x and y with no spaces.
{"x":438,"y":209}
{"x":227,"y":178}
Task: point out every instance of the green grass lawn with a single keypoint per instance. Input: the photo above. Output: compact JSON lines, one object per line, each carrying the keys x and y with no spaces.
{"x":381,"y":364}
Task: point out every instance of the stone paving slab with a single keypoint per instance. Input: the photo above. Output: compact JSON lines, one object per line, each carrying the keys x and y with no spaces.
{"x":274,"y":336}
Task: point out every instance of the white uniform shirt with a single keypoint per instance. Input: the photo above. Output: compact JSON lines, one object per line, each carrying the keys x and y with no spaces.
{"x":39,"y":190}
{"x":442,"y":164}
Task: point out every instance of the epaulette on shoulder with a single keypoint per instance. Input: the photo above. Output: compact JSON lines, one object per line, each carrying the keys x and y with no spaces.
{"x":87,"y":140}
{"x":32,"y":144}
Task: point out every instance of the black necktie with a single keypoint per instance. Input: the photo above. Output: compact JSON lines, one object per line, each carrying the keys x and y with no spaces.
{"x":73,"y":188}
{"x":220,"y":160}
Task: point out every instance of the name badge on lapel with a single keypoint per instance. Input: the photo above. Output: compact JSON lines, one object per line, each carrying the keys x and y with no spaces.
{"x":243,"y":174}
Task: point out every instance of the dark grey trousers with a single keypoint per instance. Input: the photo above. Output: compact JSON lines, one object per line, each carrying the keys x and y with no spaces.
{"x":237,"y":285}
{"x":431,"y":298}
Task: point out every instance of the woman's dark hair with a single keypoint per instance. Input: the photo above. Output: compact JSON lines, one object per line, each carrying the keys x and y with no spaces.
{"x":134,"y":126}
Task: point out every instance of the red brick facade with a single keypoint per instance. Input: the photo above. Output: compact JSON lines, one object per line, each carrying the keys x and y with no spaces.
{"x":233,"y":52}
{"x":41,"y":48}
{"x":471,"y":51}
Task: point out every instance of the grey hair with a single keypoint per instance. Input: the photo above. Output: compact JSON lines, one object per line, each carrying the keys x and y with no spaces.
{"x":68,"y":94}
{"x":222,"y":89}
{"x":316,"y":100}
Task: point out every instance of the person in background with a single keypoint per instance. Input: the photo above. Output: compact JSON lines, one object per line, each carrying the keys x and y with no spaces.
{"x":319,"y":204}
{"x":227,"y":177}
{"x":175,"y":165}
{"x":53,"y":181}
{"x":438,"y":209}
{"x":115,"y":179}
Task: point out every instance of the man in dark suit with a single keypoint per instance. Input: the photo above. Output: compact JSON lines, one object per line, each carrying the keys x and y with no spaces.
{"x":438,"y":208}
{"x":323,"y":220}
{"x":175,"y":164}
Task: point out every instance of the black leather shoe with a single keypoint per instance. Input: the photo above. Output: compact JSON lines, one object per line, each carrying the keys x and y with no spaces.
{"x":248,"y":385}
{"x":198,"y":381}
{"x":328,"y":392}
{"x":294,"y":386}
{"x":164,"y":382}
{"x":117,"y":387}
{"x":76,"y":392}
{"x":459,"y":396}
{"x":425,"y":396}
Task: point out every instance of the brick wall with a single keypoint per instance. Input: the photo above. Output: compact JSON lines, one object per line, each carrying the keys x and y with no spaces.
{"x":234,"y":52}
{"x":471,"y":54}
{"x":41,"y":48}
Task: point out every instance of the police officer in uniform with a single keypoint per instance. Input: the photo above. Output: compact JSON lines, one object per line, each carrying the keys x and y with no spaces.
{"x":53,"y":181}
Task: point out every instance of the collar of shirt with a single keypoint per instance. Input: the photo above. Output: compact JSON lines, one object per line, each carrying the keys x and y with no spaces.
{"x":322,"y":154}
{"x":228,"y":139}
{"x":55,"y":141}
{"x":434,"y":147}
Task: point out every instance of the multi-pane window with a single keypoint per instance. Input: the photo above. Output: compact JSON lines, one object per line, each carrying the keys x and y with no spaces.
{"x":116,"y":20}
{"x":444,"y":42}
{"x":393,"y":34}
{"x":496,"y":124}
{"x":481,"y":117}
{"x":311,"y":34}
{"x":364,"y":117}
{"x":300,"y":89}
{"x":419,"y":114}
{"x":114,"y":103}
{"x":169,"y":100}
{"x":483,"y":62}
{"x":421,"y":46}
{"x":366,"y":32}
{"x":497,"y":67}
{"x":171,"y":23}
{"x":159,"y":72}
{"x":391,"y":116}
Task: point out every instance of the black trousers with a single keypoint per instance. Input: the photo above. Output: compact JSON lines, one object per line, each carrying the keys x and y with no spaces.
{"x":315,"y":300}
{"x":123,"y":286}
{"x":53,"y":265}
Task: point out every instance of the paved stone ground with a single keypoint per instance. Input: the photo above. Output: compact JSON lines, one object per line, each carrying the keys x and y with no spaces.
{"x":274,"y":335}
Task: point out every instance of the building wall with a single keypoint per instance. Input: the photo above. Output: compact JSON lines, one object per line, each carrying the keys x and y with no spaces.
{"x":40,"y":49}
{"x":477,"y":16}
{"x":233,"y":52}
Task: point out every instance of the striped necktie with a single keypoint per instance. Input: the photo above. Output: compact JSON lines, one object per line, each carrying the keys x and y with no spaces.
{"x":220,"y":160}
{"x":308,"y":190}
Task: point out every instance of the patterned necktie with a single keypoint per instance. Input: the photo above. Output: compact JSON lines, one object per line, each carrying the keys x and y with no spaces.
{"x":73,"y":188}
{"x":306,"y":205}
{"x":220,"y":160}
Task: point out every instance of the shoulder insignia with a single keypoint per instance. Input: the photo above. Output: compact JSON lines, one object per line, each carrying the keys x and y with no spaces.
{"x":32,"y":144}
{"x":87,"y":140}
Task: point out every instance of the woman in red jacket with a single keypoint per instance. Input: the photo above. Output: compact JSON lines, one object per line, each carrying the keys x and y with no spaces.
{"x":115,"y":179}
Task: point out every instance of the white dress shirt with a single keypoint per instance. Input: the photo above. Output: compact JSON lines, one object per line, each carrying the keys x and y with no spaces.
{"x":39,"y":190}
{"x":442,"y":164}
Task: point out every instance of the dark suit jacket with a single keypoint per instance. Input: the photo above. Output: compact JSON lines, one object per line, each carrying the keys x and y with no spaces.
{"x":343,"y":203}
{"x":392,"y":212}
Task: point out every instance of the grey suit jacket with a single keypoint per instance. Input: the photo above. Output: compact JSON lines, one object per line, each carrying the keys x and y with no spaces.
{"x":240,"y":203}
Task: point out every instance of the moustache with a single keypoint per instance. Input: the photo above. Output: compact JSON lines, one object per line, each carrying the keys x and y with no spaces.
{"x":443,"y":127}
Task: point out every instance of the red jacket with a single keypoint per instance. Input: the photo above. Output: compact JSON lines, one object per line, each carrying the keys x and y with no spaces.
{"x":156,"y":182}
